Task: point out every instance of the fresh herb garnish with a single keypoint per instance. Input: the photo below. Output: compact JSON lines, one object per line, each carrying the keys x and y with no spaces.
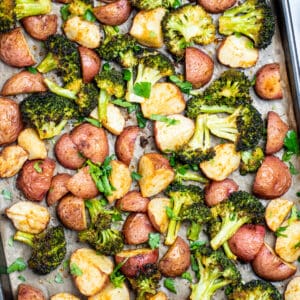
{"x":168,"y":121}
{"x":89,"y":16}
{"x":187,"y":276}
{"x":37,"y":166}
{"x":17,"y":266}
{"x":32,"y":70}
{"x":127,"y":74}
{"x":185,"y":86}
{"x":10,"y":241}
{"x":64,"y":11}
{"x":75,"y":270}
{"x":22,"y":278}
{"x":136,"y":176}
{"x":197,"y":244}
{"x":7,"y":195}
{"x":58,"y":278}
{"x":169,"y":283}
{"x":154,"y":240}
{"x":142,"y":89}
{"x":279,"y":231}
{"x":116,"y":277}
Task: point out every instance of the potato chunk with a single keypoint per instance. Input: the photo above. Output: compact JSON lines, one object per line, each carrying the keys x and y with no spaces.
{"x":157,"y":213}
{"x":292,"y":291}
{"x":63,"y":296}
{"x":28,"y":292}
{"x":112,"y":293}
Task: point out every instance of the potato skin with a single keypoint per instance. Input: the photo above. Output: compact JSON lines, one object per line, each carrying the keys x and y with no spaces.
{"x":133,"y":201}
{"x":28,"y":292}
{"x":176,"y":260}
{"x":247,"y":241}
{"x":10,"y":121}
{"x":35,"y":184}
{"x":136,"y":229}
{"x":218,"y":191}
{"x":58,"y":188}
{"x":216,"y":6}
{"x":157,"y":213}
{"x":273,"y":179}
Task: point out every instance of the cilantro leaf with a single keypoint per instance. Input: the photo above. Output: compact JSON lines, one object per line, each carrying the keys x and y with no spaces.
{"x":142,"y":89}
{"x":136,"y":176}
{"x":17,"y":266}
{"x":154,"y":240}
{"x":185,"y":86}
{"x":75,"y":270}
{"x":169,"y":283}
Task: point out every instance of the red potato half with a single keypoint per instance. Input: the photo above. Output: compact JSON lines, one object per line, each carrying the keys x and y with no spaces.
{"x":58,"y":188}
{"x":28,"y":292}
{"x":199,"y":67}
{"x":216,"y":6}
{"x":133,"y":201}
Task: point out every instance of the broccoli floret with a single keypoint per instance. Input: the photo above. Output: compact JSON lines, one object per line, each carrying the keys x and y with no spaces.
{"x":182,"y":196}
{"x":184,"y":173}
{"x":228,"y":216}
{"x":215,"y":272}
{"x":225,"y":94}
{"x":13,"y":10}
{"x":48,"y":113}
{"x":251,"y":160}
{"x":48,"y":249}
{"x":79,"y":7}
{"x":186,"y":25}
{"x":151,"y":4}
{"x":255,"y":289}
{"x":253,"y":18}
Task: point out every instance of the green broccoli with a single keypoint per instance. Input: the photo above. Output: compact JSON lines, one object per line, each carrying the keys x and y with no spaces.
{"x":79,"y":7}
{"x":215,"y":271}
{"x":48,"y":249}
{"x":185,"y":173}
{"x":48,"y":113}
{"x":225,"y":94}
{"x":152,"y":4}
{"x":251,"y":160}
{"x":228,"y":216}
{"x":254,"y":289}
{"x":13,"y":10}
{"x":253,"y":18}
{"x":186,"y":25}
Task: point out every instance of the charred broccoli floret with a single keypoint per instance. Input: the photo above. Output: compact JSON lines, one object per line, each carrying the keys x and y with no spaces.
{"x":186,"y":25}
{"x":253,"y":18}
{"x":228,"y":216}
{"x":79,"y":7}
{"x":215,"y":272}
{"x":254,"y":289}
{"x":151,"y":4}
{"x":48,"y":249}
{"x":251,"y":160}
{"x":225,"y":94}
{"x":48,"y":113}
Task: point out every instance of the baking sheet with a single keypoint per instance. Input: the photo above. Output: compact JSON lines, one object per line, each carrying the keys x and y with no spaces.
{"x":273,"y":53}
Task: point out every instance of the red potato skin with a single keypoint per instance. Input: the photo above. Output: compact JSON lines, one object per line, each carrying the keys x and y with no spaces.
{"x":58,"y":188}
{"x":90,"y":63}
{"x":67,"y":153}
{"x":10,"y":121}
{"x":28,"y":292}
{"x":218,"y":191}
{"x":133,"y":201}
{"x":216,"y":6}
{"x":273,"y":179}
{"x":247,"y":241}
{"x":35,"y":184}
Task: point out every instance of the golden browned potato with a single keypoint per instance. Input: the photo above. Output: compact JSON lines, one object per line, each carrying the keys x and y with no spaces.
{"x":171,"y":137}
{"x":146,"y":27}
{"x":199,"y":67}
{"x":113,"y":14}
{"x":28,"y":216}
{"x":273,"y":178}
{"x":22,"y":83}
{"x":40,"y":27}
{"x":12,"y":159}
{"x":176,"y":260}
{"x":95,"y":269}
{"x":10,"y":121}
{"x":237,"y":52}
{"x":91,"y":141}
{"x":269,"y":266}
{"x":133,"y":201}
{"x":82,"y":185}
{"x":159,"y":296}
{"x":120,"y":179}
{"x":63,"y":296}
{"x":14,"y":49}
{"x":111,"y":292}
{"x":292,"y":291}
{"x":267,"y":83}
{"x":124,"y":145}
{"x":137,"y":228}
{"x":165,"y":99}
{"x":276,"y":131}
{"x":34,"y":180}
{"x":28,"y":292}
{"x":226,"y":161}
{"x":30,"y":141}
{"x":90,"y":63}
{"x":276,"y":211}
{"x":216,"y":6}
{"x":157,"y":213}
{"x":156,"y":174}
{"x":71,"y":212}
{"x":58,"y":188}
{"x":137,"y":260}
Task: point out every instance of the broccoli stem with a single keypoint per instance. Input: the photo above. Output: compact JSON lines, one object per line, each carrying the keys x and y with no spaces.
{"x":49,"y":63}
{"x":228,"y":251}
{"x":51,"y":129}
{"x":56,"y":89}
{"x":106,"y":185}
{"x":201,"y":137}
{"x":26,"y":8}
{"x":194,"y":231}
{"x":24,"y":237}
{"x":103,"y":101}
{"x":94,"y":207}
{"x":190,"y":176}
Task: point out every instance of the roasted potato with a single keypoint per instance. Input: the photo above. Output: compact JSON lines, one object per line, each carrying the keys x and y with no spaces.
{"x":113,"y":14}
{"x":40,"y":27}
{"x":276,"y":131}
{"x":58,"y":188}
{"x":165,"y":99}
{"x":156,"y":174}
{"x":137,"y":228}
{"x":137,"y":260}
{"x":124,"y":145}
{"x":237,"y":52}
{"x":273,"y":179}
{"x":133,"y":201}
{"x":157,"y":213}
{"x":226,"y":161}
{"x":95,"y":269}
{"x":111,"y":292}
{"x":199,"y":67}
{"x":159,"y":296}
{"x":176,"y":260}
{"x":146,"y":27}
{"x":216,"y":6}
{"x":292,"y":291}
{"x":269,"y":266}
{"x":63,"y":296}
{"x":10,"y":121}
{"x":34,"y":180}
{"x":12,"y":158}
{"x":28,"y":292}
{"x":267,"y":83}
{"x":171,"y":137}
